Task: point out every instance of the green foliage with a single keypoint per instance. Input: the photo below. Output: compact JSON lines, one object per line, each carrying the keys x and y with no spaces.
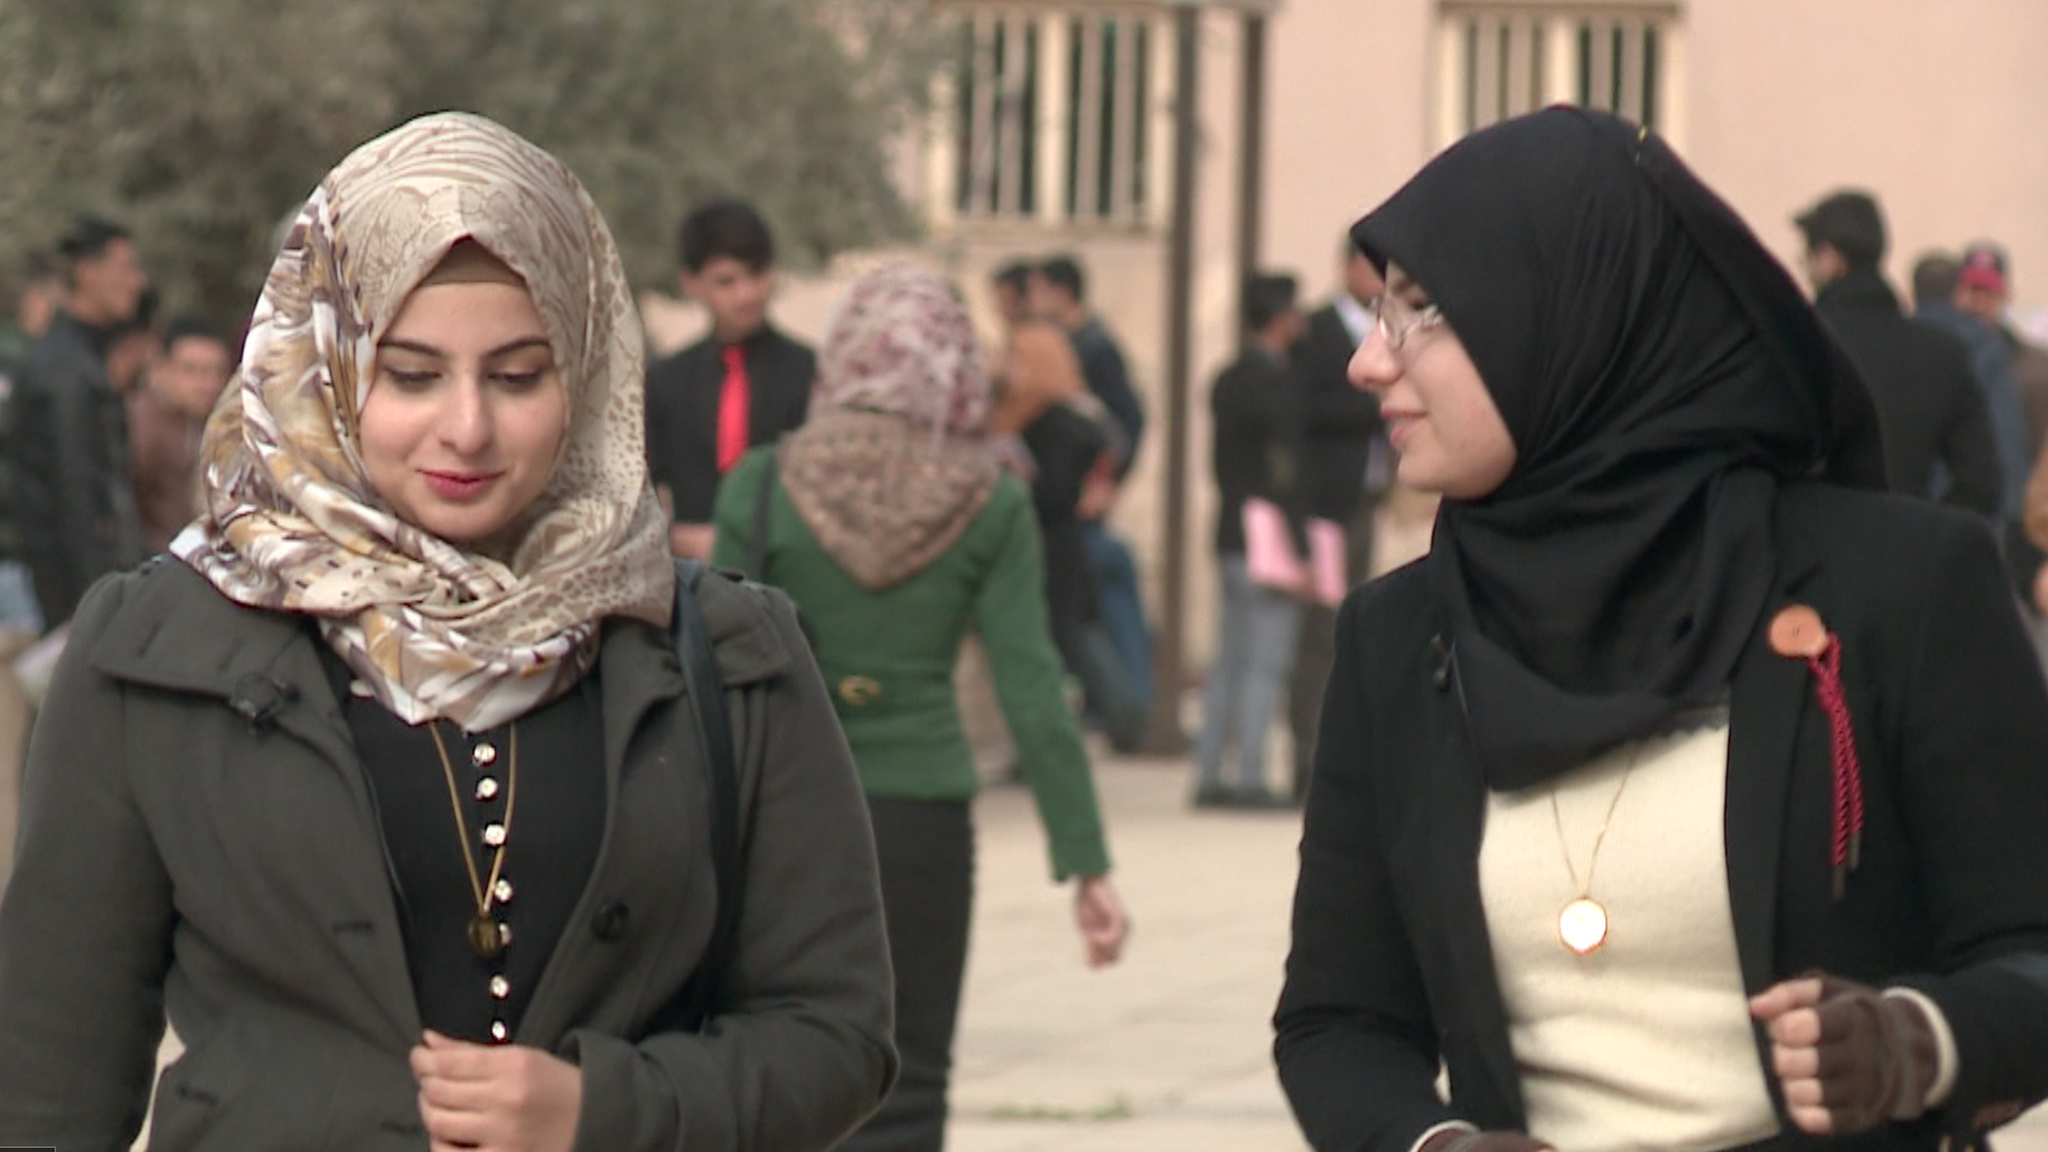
{"x":202,"y":123}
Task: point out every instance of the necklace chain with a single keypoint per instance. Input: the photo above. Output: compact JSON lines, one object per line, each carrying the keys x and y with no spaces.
{"x":484,"y":892}
{"x":1599,"y":838}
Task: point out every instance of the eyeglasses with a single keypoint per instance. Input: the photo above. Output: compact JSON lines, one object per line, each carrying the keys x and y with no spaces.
{"x":1397,"y":320}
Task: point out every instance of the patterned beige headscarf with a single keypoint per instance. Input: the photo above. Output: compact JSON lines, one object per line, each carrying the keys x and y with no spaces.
{"x":291,"y":522}
{"x":894,"y":461}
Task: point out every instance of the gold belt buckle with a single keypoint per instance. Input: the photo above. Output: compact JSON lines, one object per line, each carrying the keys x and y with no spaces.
{"x":858,"y":690}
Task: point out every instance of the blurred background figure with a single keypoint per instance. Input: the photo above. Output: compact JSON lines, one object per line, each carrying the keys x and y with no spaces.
{"x":744,"y":384}
{"x":75,"y":506}
{"x":1937,"y":297}
{"x":1344,"y":466}
{"x":1983,"y":291}
{"x":1057,"y":292}
{"x":1012,"y":287}
{"x":891,"y":522}
{"x":1927,"y":398}
{"x":165,"y":418}
{"x":1257,"y":410}
{"x":36,"y":298}
{"x":35,"y":301}
{"x":1067,"y":443}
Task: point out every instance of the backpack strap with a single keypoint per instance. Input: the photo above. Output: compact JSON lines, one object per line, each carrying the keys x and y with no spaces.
{"x":714,"y":741}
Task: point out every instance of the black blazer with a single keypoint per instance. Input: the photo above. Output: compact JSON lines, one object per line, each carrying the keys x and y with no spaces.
{"x":1391,"y":968}
{"x":682,"y":411}
{"x":1929,"y":406}
{"x":1339,"y":422}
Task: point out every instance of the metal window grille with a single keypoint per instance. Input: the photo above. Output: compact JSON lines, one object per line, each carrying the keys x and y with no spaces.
{"x":1052,"y":115}
{"x":1507,"y":59}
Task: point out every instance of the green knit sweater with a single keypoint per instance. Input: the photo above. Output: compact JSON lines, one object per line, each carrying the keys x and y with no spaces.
{"x":888,"y":656}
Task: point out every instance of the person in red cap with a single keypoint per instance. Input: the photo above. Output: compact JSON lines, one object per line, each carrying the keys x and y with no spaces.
{"x":1983,"y":291}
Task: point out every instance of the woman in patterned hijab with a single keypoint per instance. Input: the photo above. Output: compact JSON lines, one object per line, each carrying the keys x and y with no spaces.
{"x":389,"y":796}
{"x":894,"y":462}
{"x":293,"y":521}
{"x":890,"y":522}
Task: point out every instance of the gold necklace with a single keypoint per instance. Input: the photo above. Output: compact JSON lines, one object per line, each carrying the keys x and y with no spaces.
{"x":1582,"y":925}
{"x":488,"y":936}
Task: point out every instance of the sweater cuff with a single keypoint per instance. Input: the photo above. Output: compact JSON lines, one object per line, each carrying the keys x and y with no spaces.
{"x":1079,"y":856}
{"x":1944,"y":1045}
{"x":1436,"y":1129}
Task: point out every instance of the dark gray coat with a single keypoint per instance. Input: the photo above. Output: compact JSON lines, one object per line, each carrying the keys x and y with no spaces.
{"x":175,"y":855}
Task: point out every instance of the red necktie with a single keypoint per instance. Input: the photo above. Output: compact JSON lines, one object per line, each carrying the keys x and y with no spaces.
{"x":732,"y":409}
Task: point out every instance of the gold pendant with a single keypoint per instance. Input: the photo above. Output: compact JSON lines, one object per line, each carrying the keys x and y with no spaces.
{"x":486,"y":939}
{"x":1582,"y":926}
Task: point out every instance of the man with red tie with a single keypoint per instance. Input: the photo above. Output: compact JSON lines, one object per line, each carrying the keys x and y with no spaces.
{"x":743,"y":385}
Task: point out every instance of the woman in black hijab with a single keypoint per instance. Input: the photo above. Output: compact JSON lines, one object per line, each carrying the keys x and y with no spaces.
{"x":1689,"y":794}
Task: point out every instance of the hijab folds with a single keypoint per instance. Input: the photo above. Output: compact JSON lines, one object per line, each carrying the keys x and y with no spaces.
{"x":291,"y":522}
{"x":893,"y":462}
{"x":1660,"y":376}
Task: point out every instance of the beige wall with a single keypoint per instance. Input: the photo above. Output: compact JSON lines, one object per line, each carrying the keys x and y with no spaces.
{"x":1936,"y":107}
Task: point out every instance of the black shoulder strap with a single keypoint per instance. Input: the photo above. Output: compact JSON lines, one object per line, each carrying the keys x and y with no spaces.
{"x":714,"y":739}
{"x":757,"y":544}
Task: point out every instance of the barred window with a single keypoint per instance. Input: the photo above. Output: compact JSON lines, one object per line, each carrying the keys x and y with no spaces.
{"x":1503,"y":59}
{"x":1052,"y":115}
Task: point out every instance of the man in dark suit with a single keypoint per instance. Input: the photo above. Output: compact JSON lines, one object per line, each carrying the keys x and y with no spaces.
{"x":1928,"y":404}
{"x":1342,"y":458}
{"x":743,"y":385}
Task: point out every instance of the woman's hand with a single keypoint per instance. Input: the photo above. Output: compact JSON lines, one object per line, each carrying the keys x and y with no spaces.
{"x":1848,"y":1056}
{"x":493,"y":1096}
{"x":1100,"y":917}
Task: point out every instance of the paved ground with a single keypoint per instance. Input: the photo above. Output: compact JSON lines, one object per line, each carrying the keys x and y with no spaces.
{"x":1169,"y":1051}
{"x":1166,"y":1051}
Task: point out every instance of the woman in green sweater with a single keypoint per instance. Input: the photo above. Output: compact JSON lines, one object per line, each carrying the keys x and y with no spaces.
{"x":890,"y":522}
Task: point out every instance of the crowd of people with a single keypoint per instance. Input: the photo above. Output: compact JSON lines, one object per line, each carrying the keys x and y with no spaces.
{"x":1689,"y":582}
{"x":102,"y":401}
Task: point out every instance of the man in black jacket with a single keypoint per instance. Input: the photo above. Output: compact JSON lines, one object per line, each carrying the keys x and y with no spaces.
{"x":1256,"y":410}
{"x":1341,"y":433}
{"x":77,"y":509}
{"x":1929,"y":408}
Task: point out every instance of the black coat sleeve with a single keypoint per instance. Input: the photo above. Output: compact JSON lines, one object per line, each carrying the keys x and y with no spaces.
{"x":1355,"y":1041}
{"x":1967,"y":446}
{"x":1972,"y":736}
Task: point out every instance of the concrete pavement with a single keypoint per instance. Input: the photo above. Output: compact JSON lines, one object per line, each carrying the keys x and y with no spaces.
{"x":1169,"y":1051}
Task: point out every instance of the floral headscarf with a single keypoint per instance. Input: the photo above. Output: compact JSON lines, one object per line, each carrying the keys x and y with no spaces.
{"x":893,"y":463}
{"x":291,"y":522}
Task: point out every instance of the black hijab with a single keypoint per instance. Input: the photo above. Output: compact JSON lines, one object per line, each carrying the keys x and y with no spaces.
{"x":1660,"y":376}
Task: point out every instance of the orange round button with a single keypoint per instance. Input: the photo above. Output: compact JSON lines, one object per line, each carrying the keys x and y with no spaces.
{"x":1798,"y":631}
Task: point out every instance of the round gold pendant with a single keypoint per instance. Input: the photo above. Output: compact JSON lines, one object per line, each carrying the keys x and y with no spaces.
{"x":485,"y":938}
{"x":1582,"y":926}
